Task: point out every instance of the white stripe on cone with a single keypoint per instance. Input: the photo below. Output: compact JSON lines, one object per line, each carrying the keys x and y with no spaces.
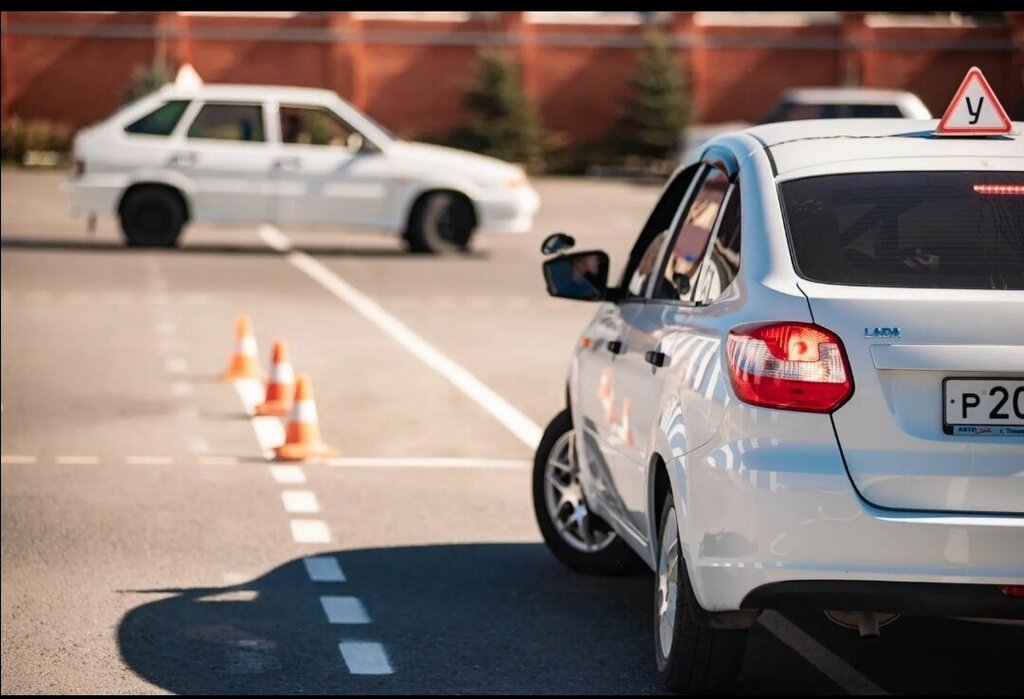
{"x":282,"y":373}
{"x":304,"y":411}
{"x":247,"y":345}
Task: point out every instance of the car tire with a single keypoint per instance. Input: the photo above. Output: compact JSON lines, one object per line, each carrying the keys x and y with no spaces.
{"x":587,"y":545}
{"x":152,"y":217}
{"x":691,"y":657}
{"x":440,"y":222}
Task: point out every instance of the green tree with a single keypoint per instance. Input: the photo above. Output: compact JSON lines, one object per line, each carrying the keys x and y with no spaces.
{"x":502,"y":122}
{"x":657,"y":110}
{"x":148,"y":78}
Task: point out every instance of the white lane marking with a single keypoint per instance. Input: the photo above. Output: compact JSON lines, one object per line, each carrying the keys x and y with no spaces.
{"x":269,"y":430}
{"x":288,"y":474}
{"x":149,"y":460}
{"x":827,"y":662}
{"x":323,"y":569}
{"x":365,"y":658}
{"x":176,"y":365}
{"x":344,"y":610}
{"x":310,"y":531}
{"x":17,"y":459}
{"x":217,"y":460}
{"x":77,"y":460}
{"x":198,"y":445}
{"x":182,"y":388}
{"x":399,"y":462}
{"x":515,"y":421}
{"x":300,"y":501}
{"x":229,"y":596}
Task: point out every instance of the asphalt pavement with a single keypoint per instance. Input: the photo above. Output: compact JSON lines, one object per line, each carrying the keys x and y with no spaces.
{"x":148,"y":546}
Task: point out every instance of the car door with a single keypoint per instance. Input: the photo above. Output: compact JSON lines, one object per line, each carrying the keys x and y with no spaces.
{"x":602,"y":413}
{"x":325,"y":170}
{"x":657,"y":334}
{"x":224,"y":152}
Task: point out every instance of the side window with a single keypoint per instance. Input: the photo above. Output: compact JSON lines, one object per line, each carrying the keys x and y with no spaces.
{"x":724,"y":257}
{"x":644,"y":255}
{"x":691,"y":239}
{"x":161,"y":121}
{"x":314,"y":126}
{"x":229,"y":122}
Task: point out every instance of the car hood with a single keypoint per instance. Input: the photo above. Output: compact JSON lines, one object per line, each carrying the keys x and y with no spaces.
{"x":469,"y":164}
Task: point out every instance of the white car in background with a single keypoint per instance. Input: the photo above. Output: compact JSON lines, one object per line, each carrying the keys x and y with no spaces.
{"x":805,"y":391}
{"x":846,"y":103}
{"x":289,"y":155}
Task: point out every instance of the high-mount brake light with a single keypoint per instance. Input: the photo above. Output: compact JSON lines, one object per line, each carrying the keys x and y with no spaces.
{"x":789,"y":366}
{"x":1000,"y":189}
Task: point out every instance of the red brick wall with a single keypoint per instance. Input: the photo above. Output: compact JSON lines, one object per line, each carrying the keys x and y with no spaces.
{"x":410,"y":75}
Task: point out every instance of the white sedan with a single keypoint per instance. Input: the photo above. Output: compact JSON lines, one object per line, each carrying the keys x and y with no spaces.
{"x":255,"y":153}
{"x":806,"y":389}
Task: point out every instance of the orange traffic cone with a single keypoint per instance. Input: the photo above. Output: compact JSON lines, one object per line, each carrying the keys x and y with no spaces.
{"x":245,"y":364}
{"x":302,"y":438}
{"x":281,"y":389}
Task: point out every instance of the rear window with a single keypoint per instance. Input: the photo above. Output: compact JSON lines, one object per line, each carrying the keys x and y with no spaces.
{"x":945,"y":230}
{"x":161,"y":121}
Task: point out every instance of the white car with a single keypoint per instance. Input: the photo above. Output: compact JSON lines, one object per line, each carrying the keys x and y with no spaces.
{"x":289,"y":155}
{"x":811,"y":399}
{"x":847,"y":103}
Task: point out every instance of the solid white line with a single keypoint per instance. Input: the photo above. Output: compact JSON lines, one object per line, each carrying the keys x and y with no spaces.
{"x":77,"y":460}
{"x":288,"y":474}
{"x":344,"y":610}
{"x":323,"y":569}
{"x":827,"y":662}
{"x":300,"y":501}
{"x":400,"y":462}
{"x":515,"y":421}
{"x":17,"y":459}
{"x":310,"y":531}
{"x":217,"y":460}
{"x":149,"y":460}
{"x":365,"y":658}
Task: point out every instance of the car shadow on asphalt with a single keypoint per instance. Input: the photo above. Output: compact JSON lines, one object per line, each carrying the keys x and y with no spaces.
{"x":188,"y":248}
{"x":487,"y":618}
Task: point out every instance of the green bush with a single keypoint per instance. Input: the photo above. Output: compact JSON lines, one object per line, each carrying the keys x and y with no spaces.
{"x":147,"y":79}
{"x":19,"y":136}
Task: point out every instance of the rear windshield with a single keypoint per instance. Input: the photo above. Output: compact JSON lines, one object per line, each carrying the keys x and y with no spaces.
{"x":946,"y":230}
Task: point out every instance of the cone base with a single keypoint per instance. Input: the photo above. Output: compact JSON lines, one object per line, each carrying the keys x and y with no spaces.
{"x":277,"y":408}
{"x":302,"y":451}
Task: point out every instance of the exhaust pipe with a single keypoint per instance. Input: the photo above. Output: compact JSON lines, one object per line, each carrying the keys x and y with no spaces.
{"x":868,"y":624}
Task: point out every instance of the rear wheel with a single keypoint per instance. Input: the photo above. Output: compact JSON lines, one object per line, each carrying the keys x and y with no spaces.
{"x":152,"y":217}
{"x":691,"y":658}
{"x":440,"y":222}
{"x":578,"y":538}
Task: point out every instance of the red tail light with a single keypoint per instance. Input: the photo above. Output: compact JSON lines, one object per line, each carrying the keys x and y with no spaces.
{"x":790,"y":366}
{"x":1012,"y":590}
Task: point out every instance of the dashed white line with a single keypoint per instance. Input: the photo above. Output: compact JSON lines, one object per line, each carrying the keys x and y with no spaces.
{"x":77,"y":460}
{"x":323,"y":569}
{"x":365,"y":658}
{"x":300,"y":502}
{"x":402,"y":462}
{"x":508,"y":415}
{"x":310,"y":531}
{"x":344,"y":610}
{"x":17,"y":459}
{"x":288,"y":475}
{"x":149,"y":460}
{"x":827,"y":662}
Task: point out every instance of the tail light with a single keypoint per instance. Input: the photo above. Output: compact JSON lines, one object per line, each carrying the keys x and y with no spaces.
{"x":790,"y":366}
{"x":1012,"y":590}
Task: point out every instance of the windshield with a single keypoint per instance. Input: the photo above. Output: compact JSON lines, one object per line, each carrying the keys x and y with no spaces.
{"x":950,"y":230}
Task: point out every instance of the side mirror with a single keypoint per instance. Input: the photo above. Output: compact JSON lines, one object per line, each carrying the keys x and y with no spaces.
{"x":582,"y":276}
{"x":557,"y":242}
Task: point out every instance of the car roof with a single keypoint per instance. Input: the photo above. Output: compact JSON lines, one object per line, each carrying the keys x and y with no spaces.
{"x":846,"y":95}
{"x":249,"y":92}
{"x":799,"y":145}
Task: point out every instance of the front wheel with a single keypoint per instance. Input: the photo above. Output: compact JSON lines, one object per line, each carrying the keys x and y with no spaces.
{"x":440,"y":222}
{"x":691,"y":658}
{"x":577,"y":537}
{"x":152,"y":217}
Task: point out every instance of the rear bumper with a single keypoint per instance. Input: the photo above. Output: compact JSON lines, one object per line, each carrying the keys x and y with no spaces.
{"x":762,"y":511}
{"x":94,"y":194}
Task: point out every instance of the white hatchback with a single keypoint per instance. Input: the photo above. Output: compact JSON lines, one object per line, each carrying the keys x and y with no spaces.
{"x":289,"y":155}
{"x":807,"y":389}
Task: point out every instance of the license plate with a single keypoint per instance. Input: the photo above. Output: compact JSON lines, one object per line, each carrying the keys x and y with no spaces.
{"x":983,"y":407}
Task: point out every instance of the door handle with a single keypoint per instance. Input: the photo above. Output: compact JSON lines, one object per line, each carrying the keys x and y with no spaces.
{"x":288,"y":163}
{"x":656,"y":358}
{"x":615,"y":347}
{"x":184,"y":158}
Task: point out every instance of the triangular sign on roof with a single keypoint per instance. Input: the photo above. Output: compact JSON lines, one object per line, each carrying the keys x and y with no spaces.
{"x":975,"y":110}
{"x":188,"y":77}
